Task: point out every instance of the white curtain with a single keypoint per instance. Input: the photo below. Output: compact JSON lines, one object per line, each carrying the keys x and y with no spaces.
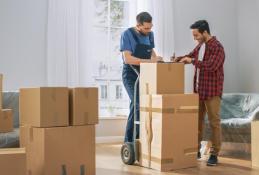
{"x":69,"y":26}
{"x":69,"y":37}
{"x":163,"y":19}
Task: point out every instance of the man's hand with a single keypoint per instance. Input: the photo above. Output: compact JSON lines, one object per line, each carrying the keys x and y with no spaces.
{"x":175,"y":59}
{"x":186,"y":60}
{"x":156,"y":59}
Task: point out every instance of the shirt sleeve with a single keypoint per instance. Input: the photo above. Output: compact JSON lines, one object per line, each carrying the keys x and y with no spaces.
{"x":125,"y":42}
{"x":195,"y":52}
{"x":215,"y":60}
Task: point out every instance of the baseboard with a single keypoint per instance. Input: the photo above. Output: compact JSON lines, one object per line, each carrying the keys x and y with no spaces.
{"x":110,"y":139}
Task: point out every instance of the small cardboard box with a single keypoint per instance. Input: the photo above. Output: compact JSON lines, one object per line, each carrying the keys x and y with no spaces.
{"x":83,"y":106}
{"x":6,"y":120}
{"x":44,"y":106}
{"x":161,"y":78}
{"x":13,"y":161}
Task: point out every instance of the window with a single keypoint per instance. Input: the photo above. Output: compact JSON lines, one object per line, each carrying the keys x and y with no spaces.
{"x":118,"y":92}
{"x":110,"y":20}
{"x":104,"y":92}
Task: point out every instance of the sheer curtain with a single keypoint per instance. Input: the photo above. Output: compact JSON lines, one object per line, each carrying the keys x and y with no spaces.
{"x":68,"y":27}
{"x":70,"y":41}
{"x":163,"y":19}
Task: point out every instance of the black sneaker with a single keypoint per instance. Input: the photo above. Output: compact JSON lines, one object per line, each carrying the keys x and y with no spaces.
{"x":198,"y":155}
{"x":213,"y":160}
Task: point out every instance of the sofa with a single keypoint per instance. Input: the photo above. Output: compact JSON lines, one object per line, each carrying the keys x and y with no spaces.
{"x":237,"y":112}
{"x":11,"y":139}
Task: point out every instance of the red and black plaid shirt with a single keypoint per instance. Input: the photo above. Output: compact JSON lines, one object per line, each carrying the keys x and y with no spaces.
{"x":211,"y":71}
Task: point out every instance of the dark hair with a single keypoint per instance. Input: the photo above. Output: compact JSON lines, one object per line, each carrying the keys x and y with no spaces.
{"x":201,"y":25}
{"x":144,"y":17}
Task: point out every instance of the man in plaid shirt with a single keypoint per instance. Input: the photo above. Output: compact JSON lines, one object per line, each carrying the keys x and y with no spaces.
{"x":208,"y":83}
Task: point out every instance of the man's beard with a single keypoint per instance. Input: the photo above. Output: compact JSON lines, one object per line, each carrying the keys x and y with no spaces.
{"x":144,"y":34}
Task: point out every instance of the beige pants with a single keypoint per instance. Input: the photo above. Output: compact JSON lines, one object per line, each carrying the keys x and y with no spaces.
{"x":212,"y":108}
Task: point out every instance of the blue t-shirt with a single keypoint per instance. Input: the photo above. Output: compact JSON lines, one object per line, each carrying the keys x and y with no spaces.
{"x":128,"y":42}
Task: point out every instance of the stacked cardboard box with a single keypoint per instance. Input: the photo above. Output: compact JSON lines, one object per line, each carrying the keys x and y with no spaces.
{"x":13,"y":161}
{"x":168,"y":118}
{"x":255,"y":143}
{"x":1,"y":91}
{"x":6,"y":115}
{"x":45,"y":131}
{"x":83,"y":105}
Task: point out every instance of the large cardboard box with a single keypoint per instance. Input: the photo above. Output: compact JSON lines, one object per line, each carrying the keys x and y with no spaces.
{"x":161,"y":78}
{"x":1,"y":91}
{"x":13,"y":161}
{"x":6,"y":120}
{"x":169,"y":131}
{"x":44,"y":106}
{"x":83,"y":106}
{"x":255,"y":143}
{"x":60,"y":150}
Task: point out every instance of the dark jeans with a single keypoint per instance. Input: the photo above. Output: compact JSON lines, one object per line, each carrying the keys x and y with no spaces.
{"x":129,"y":78}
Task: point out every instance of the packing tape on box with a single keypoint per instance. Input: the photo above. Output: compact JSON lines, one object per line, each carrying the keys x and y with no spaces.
{"x":149,"y":131}
{"x":187,"y":109}
{"x":86,"y":118}
{"x":55,"y":118}
{"x":158,"y":110}
{"x":53,"y":94}
{"x":30,"y":134}
{"x":86,"y":93}
{"x":147,"y":88}
{"x":169,"y":67}
{"x":190,"y":151}
{"x":182,"y":109}
{"x":4,"y":114}
{"x":158,"y":160}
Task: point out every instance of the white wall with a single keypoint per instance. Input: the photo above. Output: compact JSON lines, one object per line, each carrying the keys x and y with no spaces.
{"x":23,"y":40}
{"x":22,"y":43}
{"x":248,"y":44}
{"x":111,"y":129}
{"x":222,"y":17}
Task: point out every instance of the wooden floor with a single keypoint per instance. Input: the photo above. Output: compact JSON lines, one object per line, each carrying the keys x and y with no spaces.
{"x":108,"y":162}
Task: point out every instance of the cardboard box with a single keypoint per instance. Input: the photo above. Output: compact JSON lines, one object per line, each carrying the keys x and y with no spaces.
{"x":161,"y":78}
{"x":1,"y":91}
{"x":44,"y":106}
{"x":255,"y":143}
{"x":169,"y":131}
{"x":13,"y":161}
{"x":6,"y":120}
{"x":24,"y":135}
{"x":57,"y":150}
{"x":83,"y":106}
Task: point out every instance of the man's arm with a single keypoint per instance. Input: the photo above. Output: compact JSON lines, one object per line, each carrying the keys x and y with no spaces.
{"x":211,"y":64}
{"x":129,"y":59}
{"x":215,"y":60}
{"x":192,"y":54}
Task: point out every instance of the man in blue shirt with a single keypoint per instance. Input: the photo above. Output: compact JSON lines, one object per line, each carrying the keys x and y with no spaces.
{"x":137,"y":46}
